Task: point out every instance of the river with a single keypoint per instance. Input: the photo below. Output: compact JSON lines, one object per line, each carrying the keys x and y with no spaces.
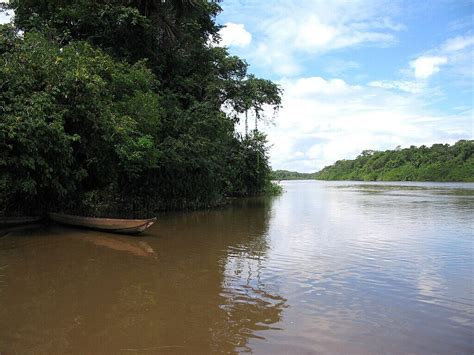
{"x":331,"y":267}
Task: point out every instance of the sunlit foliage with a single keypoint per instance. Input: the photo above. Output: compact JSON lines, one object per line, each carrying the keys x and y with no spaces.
{"x":440,"y":162}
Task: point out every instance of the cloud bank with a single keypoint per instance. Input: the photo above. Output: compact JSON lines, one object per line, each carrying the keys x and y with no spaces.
{"x":324,"y":120}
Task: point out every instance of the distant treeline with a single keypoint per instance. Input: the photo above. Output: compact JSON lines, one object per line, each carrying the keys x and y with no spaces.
{"x":290,"y":175}
{"x":440,"y":162}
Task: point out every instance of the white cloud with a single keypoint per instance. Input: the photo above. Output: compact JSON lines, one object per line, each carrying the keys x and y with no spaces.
{"x":234,"y":34}
{"x":279,"y":61}
{"x":412,"y":87}
{"x":458,"y":43}
{"x":460,"y":53}
{"x":455,"y":55}
{"x":425,"y":66}
{"x":291,"y":30}
{"x":313,"y":34}
{"x":316,"y":86}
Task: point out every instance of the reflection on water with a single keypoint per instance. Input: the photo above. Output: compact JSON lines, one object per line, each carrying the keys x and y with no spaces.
{"x":326,"y":267}
{"x":137,"y":248}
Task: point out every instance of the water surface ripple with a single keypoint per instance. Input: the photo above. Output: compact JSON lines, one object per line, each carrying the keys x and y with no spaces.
{"x":332,"y":267}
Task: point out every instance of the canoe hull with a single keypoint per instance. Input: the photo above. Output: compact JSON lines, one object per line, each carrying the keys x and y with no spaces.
{"x":113,"y":225}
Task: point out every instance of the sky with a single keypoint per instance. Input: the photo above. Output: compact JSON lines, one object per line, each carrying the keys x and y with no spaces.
{"x":356,"y":74}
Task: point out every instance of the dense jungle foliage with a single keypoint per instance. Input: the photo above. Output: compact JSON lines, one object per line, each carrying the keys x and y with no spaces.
{"x":441,"y":162}
{"x":291,"y":175}
{"x":125,"y":107}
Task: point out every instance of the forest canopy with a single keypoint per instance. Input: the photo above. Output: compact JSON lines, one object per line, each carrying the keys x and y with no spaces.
{"x":125,"y":107}
{"x":440,"y":162}
{"x":291,"y":175}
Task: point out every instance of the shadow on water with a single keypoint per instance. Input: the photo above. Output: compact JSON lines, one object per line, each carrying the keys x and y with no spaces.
{"x":190,"y":284}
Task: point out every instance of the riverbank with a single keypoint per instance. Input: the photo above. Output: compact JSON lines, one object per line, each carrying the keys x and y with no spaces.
{"x":103,"y":204}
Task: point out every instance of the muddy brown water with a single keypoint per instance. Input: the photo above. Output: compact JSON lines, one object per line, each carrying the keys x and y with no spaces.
{"x":327,"y":267}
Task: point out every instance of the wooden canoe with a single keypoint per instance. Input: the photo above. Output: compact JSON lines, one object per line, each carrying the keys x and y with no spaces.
{"x":114,"y":225}
{"x":17,"y":221}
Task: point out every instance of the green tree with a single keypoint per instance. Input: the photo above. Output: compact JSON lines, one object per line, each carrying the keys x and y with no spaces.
{"x":63,"y":127}
{"x":441,"y":162}
{"x":142,"y":105}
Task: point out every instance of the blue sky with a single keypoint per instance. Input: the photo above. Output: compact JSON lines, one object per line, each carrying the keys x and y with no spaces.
{"x":357,"y":75}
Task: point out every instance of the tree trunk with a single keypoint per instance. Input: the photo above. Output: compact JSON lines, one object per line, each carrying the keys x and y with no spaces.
{"x":246,"y":125}
{"x":256,"y":119}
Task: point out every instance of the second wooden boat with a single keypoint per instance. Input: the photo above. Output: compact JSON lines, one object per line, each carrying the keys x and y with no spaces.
{"x":114,"y":225}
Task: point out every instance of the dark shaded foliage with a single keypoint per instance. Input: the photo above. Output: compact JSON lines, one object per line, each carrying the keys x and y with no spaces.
{"x":117,"y":107}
